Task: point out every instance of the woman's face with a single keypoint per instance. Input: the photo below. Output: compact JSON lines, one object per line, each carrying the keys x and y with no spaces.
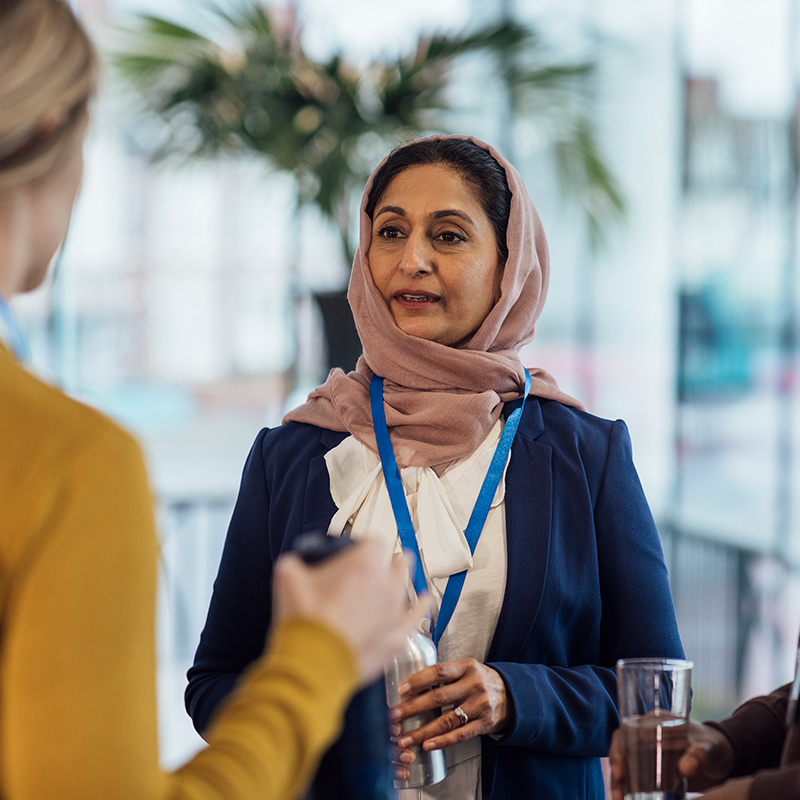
{"x":51,"y":206}
{"x":33,"y":223}
{"x":433,"y":255}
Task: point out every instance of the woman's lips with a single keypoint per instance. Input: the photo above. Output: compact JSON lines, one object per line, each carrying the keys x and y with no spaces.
{"x":415,"y":299}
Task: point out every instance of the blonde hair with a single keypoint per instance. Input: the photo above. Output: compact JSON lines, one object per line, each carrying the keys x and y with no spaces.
{"x":48,"y":74}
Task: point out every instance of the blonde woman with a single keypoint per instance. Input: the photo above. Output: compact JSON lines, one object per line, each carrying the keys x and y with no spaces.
{"x":77,"y":541}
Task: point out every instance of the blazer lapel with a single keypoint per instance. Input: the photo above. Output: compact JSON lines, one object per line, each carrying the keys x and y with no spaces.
{"x":529,"y":500}
{"x":319,"y":506}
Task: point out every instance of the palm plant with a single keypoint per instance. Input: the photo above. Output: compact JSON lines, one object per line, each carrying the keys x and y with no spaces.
{"x":250,"y":87}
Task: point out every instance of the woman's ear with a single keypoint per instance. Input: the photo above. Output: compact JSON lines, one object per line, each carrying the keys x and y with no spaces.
{"x":498,"y":280}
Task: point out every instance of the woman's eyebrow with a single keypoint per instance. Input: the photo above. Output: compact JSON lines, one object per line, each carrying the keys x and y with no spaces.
{"x":391,"y":210}
{"x":447,"y":212}
{"x":452,"y":212}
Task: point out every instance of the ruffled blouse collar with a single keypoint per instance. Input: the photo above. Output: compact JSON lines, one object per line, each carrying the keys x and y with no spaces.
{"x":440,"y":500}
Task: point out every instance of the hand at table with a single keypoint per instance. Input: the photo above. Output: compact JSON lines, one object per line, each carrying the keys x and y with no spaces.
{"x":707,"y":761}
{"x":738,"y":789}
{"x":467,"y":684}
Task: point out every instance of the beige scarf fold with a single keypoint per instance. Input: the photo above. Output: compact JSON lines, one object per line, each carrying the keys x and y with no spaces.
{"x":440,"y":401}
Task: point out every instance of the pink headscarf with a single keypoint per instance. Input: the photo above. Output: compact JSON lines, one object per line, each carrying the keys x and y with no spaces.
{"x":441,"y":401}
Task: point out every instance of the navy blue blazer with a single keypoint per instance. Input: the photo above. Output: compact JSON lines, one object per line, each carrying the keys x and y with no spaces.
{"x":586,"y":586}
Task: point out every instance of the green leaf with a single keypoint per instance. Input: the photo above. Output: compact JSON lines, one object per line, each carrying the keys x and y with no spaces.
{"x":158,"y":26}
{"x":253,"y":88}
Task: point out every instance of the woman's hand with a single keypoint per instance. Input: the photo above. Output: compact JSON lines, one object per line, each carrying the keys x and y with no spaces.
{"x":355,"y":593}
{"x":476,"y":689}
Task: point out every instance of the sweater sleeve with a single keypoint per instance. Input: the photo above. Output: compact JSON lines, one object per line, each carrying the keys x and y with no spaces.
{"x":267,"y":739}
{"x":756,"y":731}
{"x":78,"y":717}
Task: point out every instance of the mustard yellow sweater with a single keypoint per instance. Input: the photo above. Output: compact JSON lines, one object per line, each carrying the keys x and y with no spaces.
{"x":77,"y":608}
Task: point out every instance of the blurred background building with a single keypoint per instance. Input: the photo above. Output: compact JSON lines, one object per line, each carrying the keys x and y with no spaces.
{"x":183,"y":302}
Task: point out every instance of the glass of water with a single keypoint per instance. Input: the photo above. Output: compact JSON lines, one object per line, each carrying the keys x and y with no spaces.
{"x":654,"y":700}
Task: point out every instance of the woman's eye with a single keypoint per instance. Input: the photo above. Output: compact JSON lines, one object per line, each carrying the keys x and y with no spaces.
{"x":389,"y":232}
{"x":450,"y":237}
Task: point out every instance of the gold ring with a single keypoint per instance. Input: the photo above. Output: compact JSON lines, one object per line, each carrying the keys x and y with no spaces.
{"x":461,"y":714}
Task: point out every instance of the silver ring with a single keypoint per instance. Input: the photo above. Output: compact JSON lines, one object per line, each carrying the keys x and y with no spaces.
{"x":461,"y":714}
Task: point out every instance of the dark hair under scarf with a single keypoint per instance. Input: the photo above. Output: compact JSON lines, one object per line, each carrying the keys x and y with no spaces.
{"x":474,"y":165}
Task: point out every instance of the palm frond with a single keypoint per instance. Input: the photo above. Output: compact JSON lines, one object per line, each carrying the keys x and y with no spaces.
{"x":158,"y":26}
{"x":508,"y":38}
{"x":585,"y":177}
{"x":243,"y":82}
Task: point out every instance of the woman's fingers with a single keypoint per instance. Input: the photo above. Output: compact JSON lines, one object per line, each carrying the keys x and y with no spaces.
{"x":454,"y":733}
{"x":438,"y":697}
{"x":443,"y":673}
{"x":406,"y":757}
{"x":403,"y":759}
{"x":476,"y":690}
{"x":444,"y":724}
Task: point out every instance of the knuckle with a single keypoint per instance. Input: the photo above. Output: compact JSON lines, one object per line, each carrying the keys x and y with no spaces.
{"x":439,"y":696}
{"x":469,"y":733}
{"x":450,"y":722}
{"x":463,"y":734}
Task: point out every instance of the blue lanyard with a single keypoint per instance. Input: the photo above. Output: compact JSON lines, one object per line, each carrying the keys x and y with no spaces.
{"x":402,"y":516}
{"x":17,"y":340}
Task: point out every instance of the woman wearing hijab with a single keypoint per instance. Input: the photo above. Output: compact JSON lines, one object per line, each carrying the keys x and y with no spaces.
{"x":536,"y":544}
{"x":78,"y":549}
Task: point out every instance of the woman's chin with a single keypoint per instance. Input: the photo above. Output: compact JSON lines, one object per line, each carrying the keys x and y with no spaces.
{"x":34,"y":277}
{"x":427,"y":329}
{"x":422,"y":326}
{"x":425,"y":332}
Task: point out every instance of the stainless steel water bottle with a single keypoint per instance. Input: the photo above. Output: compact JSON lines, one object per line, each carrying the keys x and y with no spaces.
{"x":420,"y":652}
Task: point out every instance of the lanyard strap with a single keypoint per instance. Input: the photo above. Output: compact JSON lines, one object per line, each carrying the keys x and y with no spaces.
{"x":13,"y":332}
{"x":391,"y":474}
{"x":402,"y":516}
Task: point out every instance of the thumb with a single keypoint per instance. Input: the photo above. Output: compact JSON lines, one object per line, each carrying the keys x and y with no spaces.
{"x":288,"y":562}
{"x":692,"y":761}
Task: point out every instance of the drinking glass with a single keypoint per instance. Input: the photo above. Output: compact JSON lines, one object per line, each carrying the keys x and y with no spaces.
{"x":654,"y":699}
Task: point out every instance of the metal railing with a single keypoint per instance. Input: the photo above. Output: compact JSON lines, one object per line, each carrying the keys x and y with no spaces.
{"x":192,"y":531}
{"x":738,"y":618}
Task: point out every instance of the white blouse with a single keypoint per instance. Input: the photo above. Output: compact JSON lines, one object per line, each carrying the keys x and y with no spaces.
{"x":440,"y":500}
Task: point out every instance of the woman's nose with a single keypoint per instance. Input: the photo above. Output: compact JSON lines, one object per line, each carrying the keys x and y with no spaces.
{"x":416,"y":257}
